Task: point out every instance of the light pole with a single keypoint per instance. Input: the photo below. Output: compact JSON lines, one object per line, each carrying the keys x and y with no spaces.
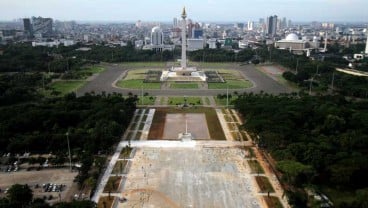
{"x":227,"y":96}
{"x":310,"y":86}
{"x":70,"y":158}
{"x":142,"y":95}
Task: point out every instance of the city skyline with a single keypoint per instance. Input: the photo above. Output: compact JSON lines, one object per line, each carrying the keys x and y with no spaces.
{"x":209,"y":10}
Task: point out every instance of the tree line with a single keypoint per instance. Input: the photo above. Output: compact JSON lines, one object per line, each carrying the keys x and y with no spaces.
{"x":319,"y":141}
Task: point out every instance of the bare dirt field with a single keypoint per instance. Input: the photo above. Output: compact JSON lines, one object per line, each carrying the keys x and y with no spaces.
{"x":54,"y":176}
{"x":212,"y":122}
{"x":186,"y":177}
{"x":175,"y":123}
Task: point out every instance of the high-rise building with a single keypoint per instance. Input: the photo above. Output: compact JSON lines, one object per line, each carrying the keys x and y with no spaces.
{"x":157,"y":36}
{"x":175,"y":22}
{"x":289,"y":23}
{"x":42,"y":26}
{"x":271,"y":25}
{"x":27,"y":27}
{"x":197,"y":33}
{"x":250,"y":25}
{"x":284,"y":23}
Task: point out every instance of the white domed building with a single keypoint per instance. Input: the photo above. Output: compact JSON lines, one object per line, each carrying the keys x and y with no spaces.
{"x":292,"y":43}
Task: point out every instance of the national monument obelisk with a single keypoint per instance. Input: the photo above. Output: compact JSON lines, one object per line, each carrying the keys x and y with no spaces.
{"x":184,"y":41}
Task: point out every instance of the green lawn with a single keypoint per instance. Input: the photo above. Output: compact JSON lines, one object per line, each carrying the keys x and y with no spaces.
{"x":231,"y":84}
{"x":264,"y":184}
{"x":119,"y":167}
{"x":212,"y":64}
{"x":136,"y":74}
{"x":180,"y":100}
{"x":137,"y":84}
{"x":223,"y":101}
{"x":147,"y":100}
{"x":255,"y":167}
{"x":65,"y":87}
{"x":125,"y":152}
{"x":184,"y":85}
{"x":144,"y":64}
{"x":94,"y":69}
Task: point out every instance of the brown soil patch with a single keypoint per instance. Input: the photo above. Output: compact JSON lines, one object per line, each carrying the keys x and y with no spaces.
{"x":105,"y":201}
{"x":112,"y":184}
{"x":272,"y":202}
{"x":158,"y":123}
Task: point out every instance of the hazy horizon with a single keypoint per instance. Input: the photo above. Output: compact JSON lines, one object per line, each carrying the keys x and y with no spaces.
{"x":343,"y":11}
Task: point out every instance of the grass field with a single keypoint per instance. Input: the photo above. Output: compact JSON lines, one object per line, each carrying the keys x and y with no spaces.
{"x":147,"y":100}
{"x":94,"y":69}
{"x":264,"y":184}
{"x":144,"y":64}
{"x":223,"y":101}
{"x":65,"y":87}
{"x":255,"y":167}
{"x":180,"y":100}
{"x":184,"y":85}
{"x":231,"y":84}
{"x":136,"y":74}
{"x":137,"y":84}
{"x":125,"y":152}
{"x":212,"y":64}
{"x":119,"y":167}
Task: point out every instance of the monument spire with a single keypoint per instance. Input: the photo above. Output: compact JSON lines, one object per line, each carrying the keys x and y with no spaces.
{"x":184,"y":41}
{"x":184,"y":13}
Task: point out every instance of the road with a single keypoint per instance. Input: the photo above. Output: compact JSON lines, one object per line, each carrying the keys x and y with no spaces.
{"x":104,"y":82}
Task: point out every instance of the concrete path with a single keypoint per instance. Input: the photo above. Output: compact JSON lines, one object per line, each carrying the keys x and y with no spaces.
{"x":279,"y":192}
{"x":212,"y":101}
{"x":147,"y":124}
{"x":158,"y":100}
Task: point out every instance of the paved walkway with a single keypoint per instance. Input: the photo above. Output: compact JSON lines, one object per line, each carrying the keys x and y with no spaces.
{"x":158,"y":100}
{"x":212,"y":101}
{"x":147,"y":124}
{"x":279,"y":192}
{"x":229,"y":143}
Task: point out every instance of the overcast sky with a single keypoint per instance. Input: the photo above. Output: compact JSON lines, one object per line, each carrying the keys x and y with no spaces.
{"x":198,"y":10}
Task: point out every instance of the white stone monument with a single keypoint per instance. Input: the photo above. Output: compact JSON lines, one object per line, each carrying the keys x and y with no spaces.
{"x":183,"y":73}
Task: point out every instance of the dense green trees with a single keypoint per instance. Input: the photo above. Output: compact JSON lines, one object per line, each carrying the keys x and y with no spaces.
{"x":221,"y":55}
{"x":94,"y":123}
{"x":19,"y":195}
{"x":317,"y":140}
{"x":25,"y":58}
